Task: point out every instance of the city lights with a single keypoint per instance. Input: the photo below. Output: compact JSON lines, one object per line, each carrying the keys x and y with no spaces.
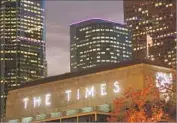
{"x":25,"y":100}
{"x":47,"y":99}
{"x":89,"y":92}
{"x":162,"y":79}
{"x":103,"y":89}
{"x":36,"y":101}
{"x":105,"y":41}
{"x":119,"y":71}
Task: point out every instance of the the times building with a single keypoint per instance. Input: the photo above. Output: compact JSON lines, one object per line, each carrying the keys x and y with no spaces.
{"x":84,"y":96}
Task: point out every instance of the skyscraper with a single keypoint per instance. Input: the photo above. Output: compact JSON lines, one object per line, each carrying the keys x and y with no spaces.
{"x":95,"y":42}
{"x":22,"y":39}
{"x":153,"y":27}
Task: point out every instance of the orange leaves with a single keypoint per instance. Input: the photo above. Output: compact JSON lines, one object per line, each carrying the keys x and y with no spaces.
{"x":137,"y":116}
{"x":144,"y":104}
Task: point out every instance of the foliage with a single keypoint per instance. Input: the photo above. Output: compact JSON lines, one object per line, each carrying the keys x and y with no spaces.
{"x":146,"y":104}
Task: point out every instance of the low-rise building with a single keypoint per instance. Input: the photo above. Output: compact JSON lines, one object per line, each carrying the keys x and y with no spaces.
{"x":80,"y":96}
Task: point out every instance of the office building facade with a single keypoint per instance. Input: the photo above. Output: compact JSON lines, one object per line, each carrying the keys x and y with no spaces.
{"x":97,"y":42}
{"x":156,"y":19}
{"x":83,"y":96}
{"x":22,"y":39}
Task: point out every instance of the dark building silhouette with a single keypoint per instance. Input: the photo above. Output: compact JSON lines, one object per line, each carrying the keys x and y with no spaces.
{"x":22,"y":39}
{"x":156,"y":19}
{"x":97,"y":42}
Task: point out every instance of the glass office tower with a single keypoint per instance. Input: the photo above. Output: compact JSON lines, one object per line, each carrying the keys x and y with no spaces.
{"x":156,"y":18}
{"x":22,"y":39}
{"x":96,"y":42}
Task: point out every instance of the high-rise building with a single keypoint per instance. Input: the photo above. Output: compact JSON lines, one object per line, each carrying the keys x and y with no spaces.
{"x":95,"y":42}
{"x":22,"y":44}
{"x":155,"y":20}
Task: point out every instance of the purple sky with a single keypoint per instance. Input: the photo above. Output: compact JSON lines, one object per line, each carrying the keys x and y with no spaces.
{"x":60,"y":14}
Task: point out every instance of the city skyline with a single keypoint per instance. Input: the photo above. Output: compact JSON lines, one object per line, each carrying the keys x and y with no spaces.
{"x":88,"y":61}
{"x":57,"y":27}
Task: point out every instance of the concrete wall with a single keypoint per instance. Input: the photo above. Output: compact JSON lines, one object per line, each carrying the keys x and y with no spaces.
{"x":132,"y":76}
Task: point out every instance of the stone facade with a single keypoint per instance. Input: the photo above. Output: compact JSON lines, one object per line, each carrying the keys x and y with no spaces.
{"x":130,"y":76}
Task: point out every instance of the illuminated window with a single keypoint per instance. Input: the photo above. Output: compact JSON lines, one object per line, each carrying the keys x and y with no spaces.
{"x":139,"y":9}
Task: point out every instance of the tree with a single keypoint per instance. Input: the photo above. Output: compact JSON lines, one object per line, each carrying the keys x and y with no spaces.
{"x":146,"y":104}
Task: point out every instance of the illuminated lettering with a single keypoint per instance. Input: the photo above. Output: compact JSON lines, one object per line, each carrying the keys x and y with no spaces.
{"x":36,"y":101}
{"x":78,"y":94}
{"x":47,"y":99}
{"x":68,"y":92}
{"x":103,"y":89}
{"x":25,"y":100}
{"x":116,"y":87}
{"x":89,"y":92}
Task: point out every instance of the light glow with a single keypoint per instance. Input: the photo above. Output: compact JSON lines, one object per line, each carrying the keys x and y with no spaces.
{"x":103,"y":89}
{"x":47,"y":99}
{"x":68,"y":92}
{"x":162,"y":79}
{"x":78,"y":94}
{"x":25,"y":100}
{"x":36,"y":101}
{"x":93,"y":19}
{"x":89,"y":92}
{"x":116,"y":87}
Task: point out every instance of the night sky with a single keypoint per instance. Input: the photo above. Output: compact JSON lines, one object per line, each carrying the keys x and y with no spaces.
{"x":60,"y":14}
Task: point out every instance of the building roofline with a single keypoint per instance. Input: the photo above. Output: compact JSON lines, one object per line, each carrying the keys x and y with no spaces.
{"x":85,"y":20}
{"x":87,"y":71}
